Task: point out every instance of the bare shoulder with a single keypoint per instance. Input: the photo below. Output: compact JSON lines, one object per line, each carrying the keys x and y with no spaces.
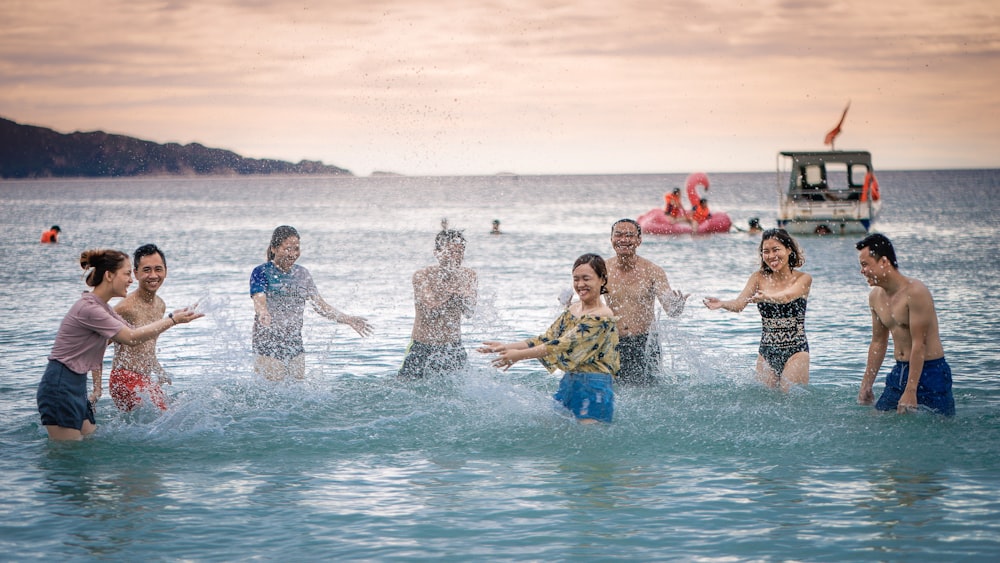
{"x":605,"y":312}
{"x":126,"y":307}
{"x":917,"y":291}
{"x":649,"y":270}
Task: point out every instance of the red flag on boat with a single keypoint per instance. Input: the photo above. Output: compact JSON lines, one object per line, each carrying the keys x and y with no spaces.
{"x":836,"y":130}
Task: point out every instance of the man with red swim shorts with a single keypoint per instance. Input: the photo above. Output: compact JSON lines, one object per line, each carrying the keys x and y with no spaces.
{"x":134,"y":367}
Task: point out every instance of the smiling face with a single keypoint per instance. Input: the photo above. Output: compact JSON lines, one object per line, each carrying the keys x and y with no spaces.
{"x":120,"y":279}
{"x":151,"y":272}
{"x":625,"y":238}
{"x":873,"y":269}
{"x":587,"y":283}
{"x":286,"y":253}
{"x":774,"y":254}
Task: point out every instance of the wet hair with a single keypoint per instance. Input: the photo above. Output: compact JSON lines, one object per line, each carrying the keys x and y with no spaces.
{"x":280,"y":235}
{"x":795,"y":257}
{"x":754,"y":222}
{"x":147,"y":250}
{"x":632,"y":221}
{"x":56,"y":228}
{"x":879,"y":245}
{"x":597,"y":263}
{"x":100,"y":261}
{"x":449,"y":236}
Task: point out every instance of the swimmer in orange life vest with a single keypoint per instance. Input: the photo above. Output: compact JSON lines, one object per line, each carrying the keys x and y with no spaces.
{"x":672,"y":205}
{"x":133,"y":367}
{"x":51,"y":235}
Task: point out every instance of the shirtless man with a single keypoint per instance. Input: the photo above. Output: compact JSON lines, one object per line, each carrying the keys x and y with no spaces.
{"x":442,"y":294}
{"x":904,"y":308}
{"x":634,"y":286}
{"x":133,"y":367}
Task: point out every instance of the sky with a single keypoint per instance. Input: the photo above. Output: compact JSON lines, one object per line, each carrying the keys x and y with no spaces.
{"x":460,"y":87}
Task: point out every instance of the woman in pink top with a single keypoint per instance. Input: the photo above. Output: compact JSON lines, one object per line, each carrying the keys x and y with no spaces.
{"x":67,"y":412}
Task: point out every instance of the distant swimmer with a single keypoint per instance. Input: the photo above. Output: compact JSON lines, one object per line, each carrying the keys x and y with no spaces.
{"x":781,"y":293}
{"x":51,"y":235}
{"x":496,"y":227}
{"x":903,"y":308}
{"x":754,"y":226}
{"x":133,"y":367}
{"x":66,"y":410}
{"x":581,"y":342}
{"x":280,"y":289}
{"x":442,"y":295}
{"x":635,"y":284}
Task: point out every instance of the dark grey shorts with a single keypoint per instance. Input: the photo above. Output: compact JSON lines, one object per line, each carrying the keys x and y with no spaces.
{"x":62,"y":397}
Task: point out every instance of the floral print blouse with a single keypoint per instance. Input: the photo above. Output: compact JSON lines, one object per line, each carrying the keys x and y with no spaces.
{"x":585,"y":344}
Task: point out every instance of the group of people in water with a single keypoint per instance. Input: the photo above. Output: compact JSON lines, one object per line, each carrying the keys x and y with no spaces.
{"x":673,"y":208}
{"x":604,"y":338}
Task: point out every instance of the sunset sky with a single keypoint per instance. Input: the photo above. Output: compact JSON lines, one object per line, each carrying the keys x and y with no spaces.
{"x":442,"y":87}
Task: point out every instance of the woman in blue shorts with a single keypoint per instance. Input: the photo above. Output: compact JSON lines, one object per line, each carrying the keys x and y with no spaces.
{"x":581,"y":342}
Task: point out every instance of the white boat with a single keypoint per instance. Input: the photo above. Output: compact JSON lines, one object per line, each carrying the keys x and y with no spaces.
{"x":827,"y":192}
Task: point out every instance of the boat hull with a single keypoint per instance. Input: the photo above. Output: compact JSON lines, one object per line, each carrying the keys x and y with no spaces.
{"x":656,"y":222}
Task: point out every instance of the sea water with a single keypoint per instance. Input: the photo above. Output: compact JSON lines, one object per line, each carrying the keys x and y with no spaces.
{"x":353,"y":464}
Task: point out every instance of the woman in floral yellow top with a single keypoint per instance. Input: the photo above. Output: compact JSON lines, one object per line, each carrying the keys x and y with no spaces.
{"x":581,"y":342}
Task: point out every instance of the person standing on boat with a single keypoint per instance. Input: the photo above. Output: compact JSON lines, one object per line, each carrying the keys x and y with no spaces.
{"x":780,"y":292}
{"x":280,"y":289}
{"x":442,"y":295}
{"x":582,"y":343}
{"x":902,"y":307}
{"x":634,"y":286}
{"x":66,"y":410}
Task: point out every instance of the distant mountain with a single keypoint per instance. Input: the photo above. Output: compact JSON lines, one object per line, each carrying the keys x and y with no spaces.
{"x":27,"y":151}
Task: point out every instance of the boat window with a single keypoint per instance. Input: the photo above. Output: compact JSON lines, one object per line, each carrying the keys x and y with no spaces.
{"x":814,"y":175}
{"x":836,"y":176}
{"x":858,"y":172}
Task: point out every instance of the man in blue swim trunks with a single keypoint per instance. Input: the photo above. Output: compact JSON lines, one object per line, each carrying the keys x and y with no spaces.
{"x":903,"y":307}
{"x":634,"y":286}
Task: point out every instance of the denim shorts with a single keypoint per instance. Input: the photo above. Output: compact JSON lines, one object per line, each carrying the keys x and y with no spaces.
{"x":587,"y":395}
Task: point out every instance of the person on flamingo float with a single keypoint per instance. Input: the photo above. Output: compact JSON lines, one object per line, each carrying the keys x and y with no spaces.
{"x":780,"y":292}
{"x":673,"y":207}
{"x":699,"y":214}
{"x":903,"y":308}
{"x":581,"y":342}
{"x":66,"y":410}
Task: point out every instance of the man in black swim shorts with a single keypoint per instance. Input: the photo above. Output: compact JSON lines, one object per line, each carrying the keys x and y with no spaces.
{"x":634,"y":286}
{"x":442,"y":295}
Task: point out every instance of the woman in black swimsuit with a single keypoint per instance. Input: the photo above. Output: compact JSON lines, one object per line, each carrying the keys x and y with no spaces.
{"x":780,"y":293}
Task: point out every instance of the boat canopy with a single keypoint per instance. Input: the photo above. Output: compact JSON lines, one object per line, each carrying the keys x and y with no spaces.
{"x":827,"y":175}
